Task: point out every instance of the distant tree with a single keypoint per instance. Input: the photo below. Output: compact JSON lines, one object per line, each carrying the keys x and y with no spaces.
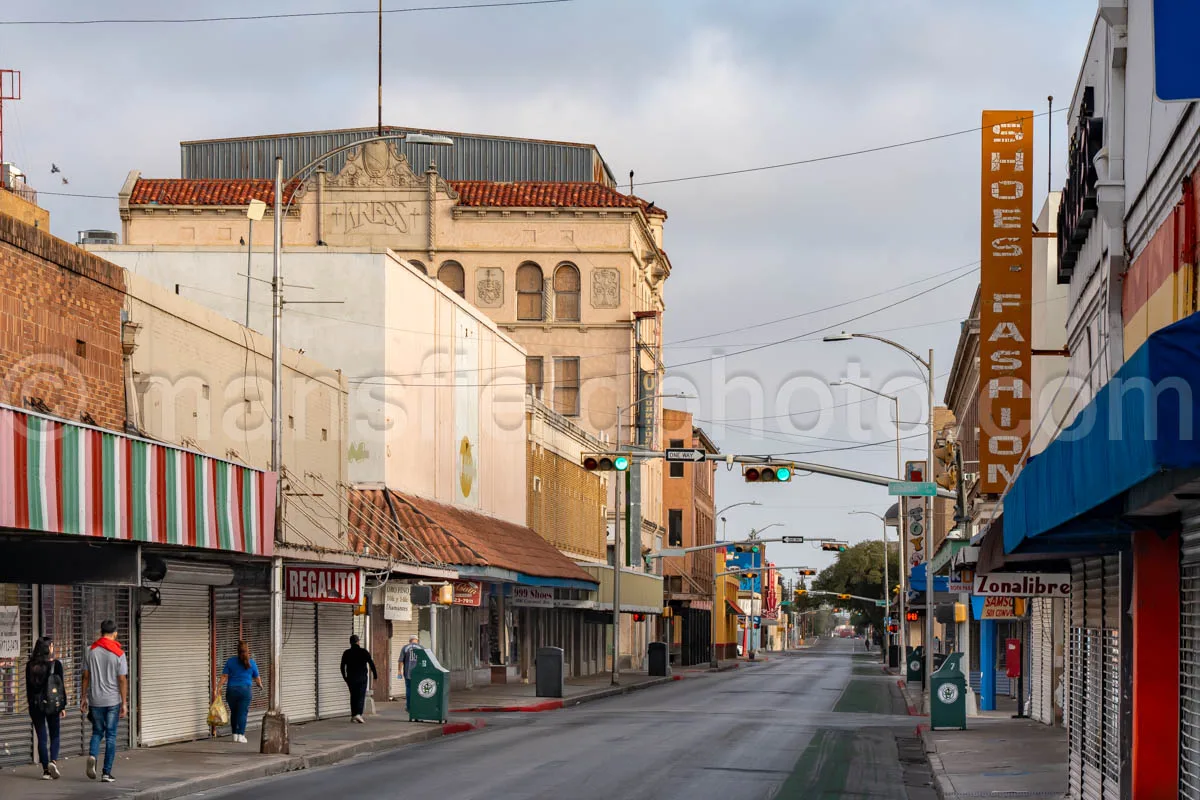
{"x":859,"y":571}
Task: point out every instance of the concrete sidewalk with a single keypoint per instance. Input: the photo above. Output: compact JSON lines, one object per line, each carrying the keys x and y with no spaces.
{"x":1001,"y":756}
{"x":162,"y":773}
{"x":517,"y":697}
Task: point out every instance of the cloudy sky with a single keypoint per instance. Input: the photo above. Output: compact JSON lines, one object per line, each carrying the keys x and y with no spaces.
{"x":670,"y":89}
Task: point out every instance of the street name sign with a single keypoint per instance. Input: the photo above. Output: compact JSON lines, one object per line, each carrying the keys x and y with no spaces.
{"x":684,"y":455}
{"x":1022,"y":584}
{"x":912,"y":489}
{"x":881,"y":603}
{"x":672,"y":552}
{"x":793,"y":540}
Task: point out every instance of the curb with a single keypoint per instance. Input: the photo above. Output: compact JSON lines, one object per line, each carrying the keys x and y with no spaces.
{"x":283,"y":764}
{"x":941,"y":784}
{"x":912,"y":710}
{"x":555,"y":705}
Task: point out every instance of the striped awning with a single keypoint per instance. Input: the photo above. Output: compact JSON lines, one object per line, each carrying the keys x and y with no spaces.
{"x":61,"y":477}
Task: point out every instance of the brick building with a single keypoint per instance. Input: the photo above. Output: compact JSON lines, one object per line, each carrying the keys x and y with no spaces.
{"x":60,"y":328}
{"x":689,"y":512}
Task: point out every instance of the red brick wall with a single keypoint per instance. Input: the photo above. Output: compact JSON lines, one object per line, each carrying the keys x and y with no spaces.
{"x":54,"y":295}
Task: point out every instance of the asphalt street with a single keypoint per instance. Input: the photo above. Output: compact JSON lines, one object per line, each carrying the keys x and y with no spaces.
{"x":820,"y":723}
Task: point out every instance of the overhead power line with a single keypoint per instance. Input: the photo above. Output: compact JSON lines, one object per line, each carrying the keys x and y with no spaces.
{"x":832,"y":157}
{"x":293,"y":15}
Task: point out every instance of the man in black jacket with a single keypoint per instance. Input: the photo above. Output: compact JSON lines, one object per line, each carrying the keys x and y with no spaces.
{"x":355,"y":663}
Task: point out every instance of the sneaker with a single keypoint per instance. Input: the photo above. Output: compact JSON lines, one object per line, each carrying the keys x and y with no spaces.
{"x":358,"y":718}
{"x":107,"y":778}
{"x":53,"y":770}
{"x":46,"y":775}
{"x":91,"y":767}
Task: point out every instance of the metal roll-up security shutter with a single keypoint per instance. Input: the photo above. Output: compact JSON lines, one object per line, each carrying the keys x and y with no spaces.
{"x":1076,"y":679}
{"x":93,"y":605}
{"x":256,"y":630}
{"x":227,"y":629}
{"x":335,"y":623}
{"x":1041,"y":654}
{"x":299,"y":691}
{"x":402,"y":631}
{"x":1189,"y":657}
{"x":16,"y":734}
{"x":174,"y":681}
{"x":1110,"y":676}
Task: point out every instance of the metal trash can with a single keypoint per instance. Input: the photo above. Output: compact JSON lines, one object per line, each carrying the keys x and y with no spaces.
{"x":549,"y":668}
{"x":657,"y":657}
{"x":894,"y":656}
{"x":916,"y":666}
{"x":949,"y":695}
{"x":430,"y":701}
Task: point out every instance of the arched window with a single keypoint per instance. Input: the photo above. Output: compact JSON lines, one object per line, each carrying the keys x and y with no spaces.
{"x":529,"y":292}
{"x":451,"y":273}
{"x":566,"y":293}
{"x":418,"y":265}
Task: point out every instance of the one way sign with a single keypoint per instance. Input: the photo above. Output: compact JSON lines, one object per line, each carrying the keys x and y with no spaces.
{"x":684,"y":455}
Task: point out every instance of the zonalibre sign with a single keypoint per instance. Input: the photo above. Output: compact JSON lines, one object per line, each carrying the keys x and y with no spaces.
{"x":304,"y":584}
{"x":1022,"y":584}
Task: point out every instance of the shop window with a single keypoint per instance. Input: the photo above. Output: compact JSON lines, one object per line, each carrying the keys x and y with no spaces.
{"x":529,"y":292}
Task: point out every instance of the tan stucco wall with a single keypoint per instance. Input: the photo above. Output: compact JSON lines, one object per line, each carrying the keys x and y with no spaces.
{"x":203,"y":381}
{"x":13,"y":205}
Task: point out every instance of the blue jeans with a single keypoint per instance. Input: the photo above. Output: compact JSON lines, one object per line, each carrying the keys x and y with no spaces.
{"x":46,"y":728}
{"x":238,"y":698}
{"x":104,"y":726}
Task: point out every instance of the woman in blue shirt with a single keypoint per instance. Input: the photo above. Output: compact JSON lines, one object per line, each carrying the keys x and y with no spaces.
{"x":238,"y":678}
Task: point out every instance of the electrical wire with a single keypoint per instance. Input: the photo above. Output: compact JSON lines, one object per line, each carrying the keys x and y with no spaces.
{"x":292,"y":15}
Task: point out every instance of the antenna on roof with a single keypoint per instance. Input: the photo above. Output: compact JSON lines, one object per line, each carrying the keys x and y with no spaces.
{"x":1050,"y":143}
{"x":379,"y":85}
{"x":631,"y":181}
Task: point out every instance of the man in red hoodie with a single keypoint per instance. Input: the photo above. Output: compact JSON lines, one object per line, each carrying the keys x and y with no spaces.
{"x":105,"y":691}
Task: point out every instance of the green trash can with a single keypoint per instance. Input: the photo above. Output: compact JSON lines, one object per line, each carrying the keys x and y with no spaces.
{"x":430,"y":701}
{"x":915,"y":666}
{"x":949,"y":695}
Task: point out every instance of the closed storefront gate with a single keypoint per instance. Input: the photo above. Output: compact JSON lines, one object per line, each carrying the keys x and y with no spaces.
{"x":402,"y":630}
{"x":1041,"y":656}
{"x":71,"y":616}
{"x":243,"y":614}
{"x":1189,"y":658}
{"x":335,"y":624}
{"x":1094,"y":682}
{"x":175,"y":656}
{"x":299,"y":694}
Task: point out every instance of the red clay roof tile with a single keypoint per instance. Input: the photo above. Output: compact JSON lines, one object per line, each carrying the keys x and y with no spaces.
{"x":472,"y":194}
{"x":459,"y":536}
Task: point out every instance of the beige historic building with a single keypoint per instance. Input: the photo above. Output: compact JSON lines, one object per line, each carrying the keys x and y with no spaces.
{"x":572,"y":271}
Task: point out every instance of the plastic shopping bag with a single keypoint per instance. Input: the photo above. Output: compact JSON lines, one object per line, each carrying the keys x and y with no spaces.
{"x":218,"y":713}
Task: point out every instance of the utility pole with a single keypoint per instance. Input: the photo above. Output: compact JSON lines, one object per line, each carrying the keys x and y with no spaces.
{"x":275,"y":725}
{"x":929,"y":553}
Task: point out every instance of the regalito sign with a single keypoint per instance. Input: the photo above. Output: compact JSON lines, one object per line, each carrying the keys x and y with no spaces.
{"x":323,"y":584}
{"x":1022,"y":584}
{"x":1006,"y":302}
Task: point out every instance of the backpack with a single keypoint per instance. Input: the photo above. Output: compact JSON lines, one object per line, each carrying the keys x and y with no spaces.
{"x":52,"y":700}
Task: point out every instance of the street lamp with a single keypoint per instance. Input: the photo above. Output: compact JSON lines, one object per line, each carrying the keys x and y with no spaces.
{"x":714,"y":660}
{"x":275,"y":726}
{"x":928,"y":365}
{"x":887,"y":597}
{"x":617,"y":555}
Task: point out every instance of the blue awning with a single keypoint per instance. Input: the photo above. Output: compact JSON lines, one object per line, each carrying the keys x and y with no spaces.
{"x":1140,"y":424}
{"x":916,"y":580}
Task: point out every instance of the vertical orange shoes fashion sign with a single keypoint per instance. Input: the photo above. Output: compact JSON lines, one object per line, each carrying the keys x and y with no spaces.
{"x":1006,"y":295}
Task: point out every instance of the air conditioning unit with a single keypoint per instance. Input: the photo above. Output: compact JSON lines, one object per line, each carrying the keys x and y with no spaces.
{"x":97,"y":237}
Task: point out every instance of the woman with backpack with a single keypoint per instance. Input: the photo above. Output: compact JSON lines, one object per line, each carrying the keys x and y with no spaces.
{"x":238,"y":678}
{"x":45,"y":690}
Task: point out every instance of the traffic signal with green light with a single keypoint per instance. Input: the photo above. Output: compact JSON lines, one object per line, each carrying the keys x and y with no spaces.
{"x":768,"y":473}
{"x":836,"y":547}
{"x":745,"y":548}
{"x":606,"y":462}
